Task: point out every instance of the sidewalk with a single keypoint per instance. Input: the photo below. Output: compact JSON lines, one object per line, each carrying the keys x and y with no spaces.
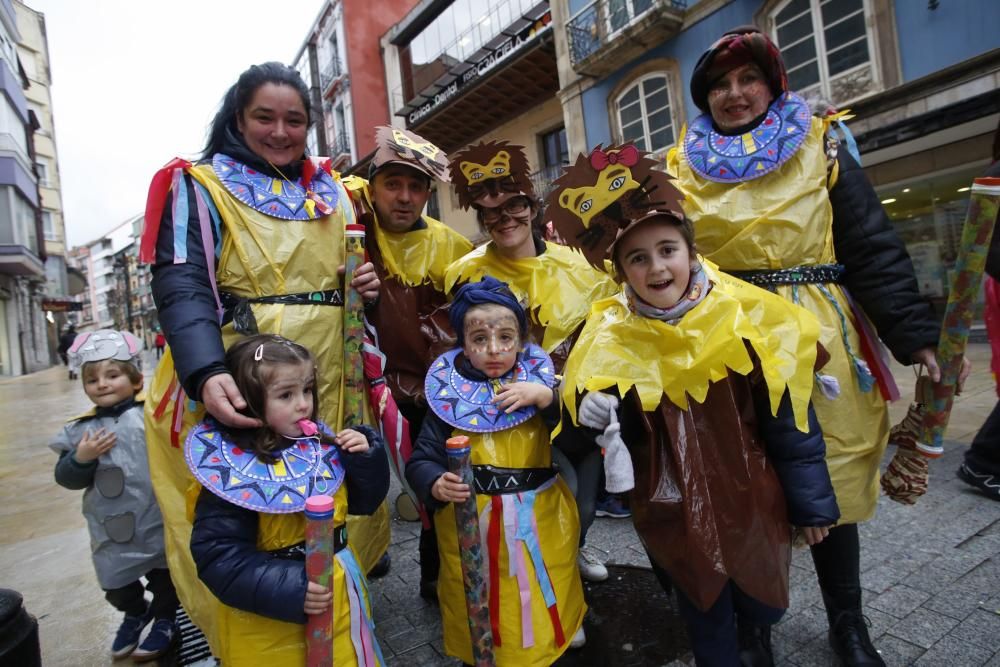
{"x":931,"y":572}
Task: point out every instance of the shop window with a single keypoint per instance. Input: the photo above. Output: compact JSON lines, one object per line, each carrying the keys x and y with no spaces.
{"x":433,"y":206}
{"x":827,"y":47}
{"x":644,"y":113}
{"x":928,"y":214}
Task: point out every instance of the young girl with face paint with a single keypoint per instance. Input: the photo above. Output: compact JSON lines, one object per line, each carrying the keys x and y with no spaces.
{"x":702,"y":383}
{"x":249,"y":527}
{"x":497,"y":389}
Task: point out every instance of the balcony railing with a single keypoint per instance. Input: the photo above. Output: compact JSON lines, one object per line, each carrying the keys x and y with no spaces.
{"x":330,"y":73}
{"x":543,"y":180}
{"x":600,"y":23}
{"x":340,"y":145}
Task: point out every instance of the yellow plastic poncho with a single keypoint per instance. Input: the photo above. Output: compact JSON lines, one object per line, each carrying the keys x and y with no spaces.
{"x":557,"y":287}
{"x":260,"y":255}
{"x":620,"y":349}
{"x":245,"y":638}
{"x":558,"y":530}
{"x":782,"y":220}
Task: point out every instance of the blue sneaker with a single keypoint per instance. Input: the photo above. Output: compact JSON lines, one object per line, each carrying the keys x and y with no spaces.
{"x":157,"y":642}
{"x":128,"y":634}
{"x":613,"y":507}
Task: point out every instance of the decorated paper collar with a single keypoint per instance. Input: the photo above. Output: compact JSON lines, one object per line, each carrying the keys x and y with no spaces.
{"x":467,"y":404}
{"x":309,"y":467}
{"x":277,"y":197}
{"x":744,"y":157}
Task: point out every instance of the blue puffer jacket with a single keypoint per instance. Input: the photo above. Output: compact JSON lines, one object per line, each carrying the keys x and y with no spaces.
{"x":224,"y":542}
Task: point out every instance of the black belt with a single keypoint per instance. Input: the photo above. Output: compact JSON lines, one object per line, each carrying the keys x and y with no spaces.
{"x":494,"y":481}
{"x":298,"y":551}
{"x":237,"y":309}
{"x":797,"y":275}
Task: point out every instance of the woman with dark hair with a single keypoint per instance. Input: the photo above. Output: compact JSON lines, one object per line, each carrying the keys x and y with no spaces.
{"x":555,"y":284}
{"x":777,"y":202}
{"x":250,"y":239}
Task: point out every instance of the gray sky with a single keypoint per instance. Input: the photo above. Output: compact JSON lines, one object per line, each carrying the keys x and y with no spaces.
{"x":136,"y":82}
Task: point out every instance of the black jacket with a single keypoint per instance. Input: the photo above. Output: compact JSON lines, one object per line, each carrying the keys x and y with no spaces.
{"x":879,"y":274}
{"x":224,"y":542}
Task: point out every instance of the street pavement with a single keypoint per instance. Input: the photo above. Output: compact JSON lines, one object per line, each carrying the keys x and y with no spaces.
{"x":930,"y":572}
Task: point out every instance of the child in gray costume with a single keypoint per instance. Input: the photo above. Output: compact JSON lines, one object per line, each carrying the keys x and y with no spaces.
{"x":103,"y":451}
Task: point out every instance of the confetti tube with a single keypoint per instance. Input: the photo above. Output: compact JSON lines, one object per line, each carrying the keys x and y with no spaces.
{"x":471,"y":548}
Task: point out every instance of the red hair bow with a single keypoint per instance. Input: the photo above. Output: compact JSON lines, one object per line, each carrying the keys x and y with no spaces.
{"x":628,"y":156}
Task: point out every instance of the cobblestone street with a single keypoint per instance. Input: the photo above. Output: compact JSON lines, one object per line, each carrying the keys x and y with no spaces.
{"x":931,"y":572}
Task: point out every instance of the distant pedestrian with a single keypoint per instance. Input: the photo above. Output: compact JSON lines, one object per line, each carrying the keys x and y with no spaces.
{"x":66,"y":342}
{"x":160,"y":343}
{"x":103,"y":452}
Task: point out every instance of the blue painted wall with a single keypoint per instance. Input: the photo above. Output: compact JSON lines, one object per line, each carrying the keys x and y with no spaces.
{"x":929,"y":40}
{"x":685,"y":49}
{"x":957,"y":30}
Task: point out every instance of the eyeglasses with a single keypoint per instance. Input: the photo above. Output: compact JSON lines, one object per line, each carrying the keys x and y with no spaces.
{"x":512,"y":207}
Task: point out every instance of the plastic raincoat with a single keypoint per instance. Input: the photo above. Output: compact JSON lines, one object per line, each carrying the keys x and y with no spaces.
{"x":257,"y":255}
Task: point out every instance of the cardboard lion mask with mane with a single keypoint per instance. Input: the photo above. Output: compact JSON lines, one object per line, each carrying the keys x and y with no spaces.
{"x":606,"y":192}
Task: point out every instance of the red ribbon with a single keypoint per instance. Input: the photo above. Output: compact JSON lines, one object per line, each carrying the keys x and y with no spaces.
{"x":155,"y":200}
{"x":627,"y":156}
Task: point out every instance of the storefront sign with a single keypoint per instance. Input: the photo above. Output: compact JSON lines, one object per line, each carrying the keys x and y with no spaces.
{"x":61,"y":305}
{"x":508,"y":47}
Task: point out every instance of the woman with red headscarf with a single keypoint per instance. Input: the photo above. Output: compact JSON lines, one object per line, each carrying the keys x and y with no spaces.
{"x":779,"y":203}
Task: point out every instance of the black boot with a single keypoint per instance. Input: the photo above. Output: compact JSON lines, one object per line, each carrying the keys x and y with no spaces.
{"x":755,"y":644}
{"x":381,"y":567}
{"x":850,"y":641}
{"x":837,"y":561}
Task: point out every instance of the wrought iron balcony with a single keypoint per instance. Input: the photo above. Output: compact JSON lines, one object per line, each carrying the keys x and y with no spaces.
{"x":331,"y":72}
{"x":543,"y":180}
{"x":606,"y":34}
{"x":340,"y":146}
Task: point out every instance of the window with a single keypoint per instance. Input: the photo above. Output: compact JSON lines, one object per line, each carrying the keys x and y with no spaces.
{"x":622,"y":12}
{"x":555,"y":150}
{"x":49,"y":226}
{"x":826,"y":47}
{"x":43,"y":173}
{"x":644,"y":113}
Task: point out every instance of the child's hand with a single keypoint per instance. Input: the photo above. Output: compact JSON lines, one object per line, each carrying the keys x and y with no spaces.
{"x":449,"y":489}
{"x":352,"y":441}
{"x":318,"y":599}
{"x":814,"y":534}
{"x":91,"y":446}
{"x":517,"y":395}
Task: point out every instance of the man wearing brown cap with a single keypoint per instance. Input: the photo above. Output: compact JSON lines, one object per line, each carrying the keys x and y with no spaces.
{"x":410,"y":252}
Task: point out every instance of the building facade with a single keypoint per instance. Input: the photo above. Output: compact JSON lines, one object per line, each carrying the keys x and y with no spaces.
{"x":23,"y":336}
{"x":60,"y":286}
{"x":340,"y":60}
{"x":473,"y":70}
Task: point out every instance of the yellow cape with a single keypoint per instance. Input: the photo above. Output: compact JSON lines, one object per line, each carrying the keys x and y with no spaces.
{"x":140,"y":398}
{"x":415,"y":257}
{"x":621,"y":349}
{"x":557,"y":287}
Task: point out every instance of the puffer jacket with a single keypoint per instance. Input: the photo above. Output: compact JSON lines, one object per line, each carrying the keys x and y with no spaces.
{"x":224,"y":541}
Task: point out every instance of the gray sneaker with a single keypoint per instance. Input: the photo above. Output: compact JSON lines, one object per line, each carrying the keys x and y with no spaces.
{"x":591,"y":567}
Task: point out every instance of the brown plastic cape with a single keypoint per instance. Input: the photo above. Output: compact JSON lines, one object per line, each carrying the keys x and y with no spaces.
{"x":706,"y":504}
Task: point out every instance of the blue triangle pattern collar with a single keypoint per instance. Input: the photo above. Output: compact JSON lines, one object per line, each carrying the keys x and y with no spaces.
{"x":745,"y":157}
{"x":309,"y":467}
{"x":467,"y":404}
{"x":275,"y":197}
